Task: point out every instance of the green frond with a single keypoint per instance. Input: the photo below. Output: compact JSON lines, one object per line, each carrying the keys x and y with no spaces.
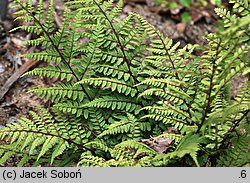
{"x":113,"y":103}
{"x":127,"y":125}
{"x":60,"y":92}
{"x":237,"y":155}
{"x":111,"y":84}
{"x":119,"y":73}
{"x":91,"y":161}
{"x":47,"y":56}
{"x":51,"y":72}
{"x":133,"y":145}
{"x":38,"y":137}
{"x":162,"y":83}
{"x":168,"y":110}
{"x":98,"y":144}
{"x":243,"y":7}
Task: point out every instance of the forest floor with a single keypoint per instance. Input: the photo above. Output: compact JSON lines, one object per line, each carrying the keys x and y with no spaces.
{"x":16,"y":101}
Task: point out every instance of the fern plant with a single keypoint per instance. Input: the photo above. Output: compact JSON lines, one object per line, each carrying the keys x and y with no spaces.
{"x":128,"y":96}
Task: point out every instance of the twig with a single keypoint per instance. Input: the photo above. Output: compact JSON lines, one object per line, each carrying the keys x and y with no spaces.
{"x":15,"y":76}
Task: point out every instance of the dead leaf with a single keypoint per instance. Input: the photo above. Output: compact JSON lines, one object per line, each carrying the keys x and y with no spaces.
{"x":160,"y":145}
{"x":181,"y":27}
{"x":172,"y":130}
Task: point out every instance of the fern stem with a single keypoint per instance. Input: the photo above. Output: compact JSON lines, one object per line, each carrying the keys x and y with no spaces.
{"x":174,"y":68}
{"x":176,"y":73}
{"x":169,"y":56}
{"x":118,"y":41}
{"x":209,"y":94}
{"x":232,"y":129}
{"x":87,"y":66}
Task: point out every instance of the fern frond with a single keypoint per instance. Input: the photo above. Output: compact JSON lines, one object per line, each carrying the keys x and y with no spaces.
{"x":60,"y":92}
{"x":51,"y":72}
{"x":113,"y":103}
{"x":237,"y":155}
{"x":112,"y":84}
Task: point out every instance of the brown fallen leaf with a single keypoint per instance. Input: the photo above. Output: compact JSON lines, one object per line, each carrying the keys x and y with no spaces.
{"x":172,"y":130}
{"x":160,"y":145}
{"x":181,"y":27}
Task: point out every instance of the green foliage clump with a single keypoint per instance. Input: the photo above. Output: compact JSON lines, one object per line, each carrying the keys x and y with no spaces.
{"x":128,"y":96}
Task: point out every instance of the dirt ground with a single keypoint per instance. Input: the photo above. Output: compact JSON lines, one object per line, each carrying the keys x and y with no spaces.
{"x":17,"y":101}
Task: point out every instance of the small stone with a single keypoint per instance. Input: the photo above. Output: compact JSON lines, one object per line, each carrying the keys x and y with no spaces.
{"x":11,"y":120}
{"x":2,"y":68}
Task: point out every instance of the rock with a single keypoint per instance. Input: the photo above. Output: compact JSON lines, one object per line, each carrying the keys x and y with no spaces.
{"x":11,"y":120}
